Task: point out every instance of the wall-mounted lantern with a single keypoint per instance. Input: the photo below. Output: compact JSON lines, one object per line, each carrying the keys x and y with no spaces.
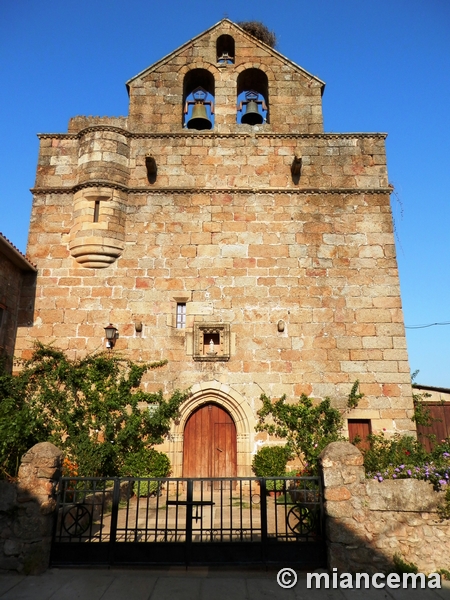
{"x":111,"y":334}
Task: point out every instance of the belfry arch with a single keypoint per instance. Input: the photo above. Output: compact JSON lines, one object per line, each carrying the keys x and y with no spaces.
{"x":231,"y":401}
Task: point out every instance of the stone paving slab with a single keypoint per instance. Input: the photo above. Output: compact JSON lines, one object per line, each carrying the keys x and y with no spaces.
{"x":175,"y":583}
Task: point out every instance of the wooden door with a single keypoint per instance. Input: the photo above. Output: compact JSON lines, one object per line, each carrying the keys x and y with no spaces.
{"x":359,"y":428}
{"x":439,"y":426}
{"x":209,"y":448}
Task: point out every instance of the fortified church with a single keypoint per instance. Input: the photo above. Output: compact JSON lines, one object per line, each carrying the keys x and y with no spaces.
{"x":219,"y":227}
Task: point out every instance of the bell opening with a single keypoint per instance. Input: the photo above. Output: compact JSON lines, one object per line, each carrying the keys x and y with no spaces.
{"x":252,"y":97}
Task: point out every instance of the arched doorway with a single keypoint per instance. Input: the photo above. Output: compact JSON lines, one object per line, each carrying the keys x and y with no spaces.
{"x":210,"y":447}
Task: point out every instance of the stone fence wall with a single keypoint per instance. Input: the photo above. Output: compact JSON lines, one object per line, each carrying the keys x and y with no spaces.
{"x":26,"y":511}
{"x":368,"y":521}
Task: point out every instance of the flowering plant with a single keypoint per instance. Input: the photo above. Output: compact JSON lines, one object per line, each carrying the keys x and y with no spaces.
{"x":69,"y":468}
{"x":436,"y":472}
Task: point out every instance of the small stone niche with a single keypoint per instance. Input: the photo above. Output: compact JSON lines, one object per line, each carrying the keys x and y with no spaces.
{"x":211,"y":341}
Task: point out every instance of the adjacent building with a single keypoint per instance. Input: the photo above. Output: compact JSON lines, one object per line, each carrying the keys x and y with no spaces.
{"x":17,"y":279}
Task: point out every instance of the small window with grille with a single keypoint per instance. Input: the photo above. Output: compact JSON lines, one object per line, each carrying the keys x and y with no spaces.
{"x":181,"y":315}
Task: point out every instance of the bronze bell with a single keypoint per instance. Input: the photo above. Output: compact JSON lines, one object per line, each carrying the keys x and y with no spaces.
{"x":199,"y":118}
{"x":252,"y":116}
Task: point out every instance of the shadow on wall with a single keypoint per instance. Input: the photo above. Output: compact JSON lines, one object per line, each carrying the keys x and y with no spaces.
{"x":368,"y":522}
{"x":27,"y":300}
{"x":26,"y":511}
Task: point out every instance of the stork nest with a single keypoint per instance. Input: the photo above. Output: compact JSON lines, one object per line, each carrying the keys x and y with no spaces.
{"x":259,"y":31}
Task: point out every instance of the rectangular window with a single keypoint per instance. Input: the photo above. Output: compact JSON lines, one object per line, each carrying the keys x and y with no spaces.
{"x":181,"y":315}
{"x":96,"y":211}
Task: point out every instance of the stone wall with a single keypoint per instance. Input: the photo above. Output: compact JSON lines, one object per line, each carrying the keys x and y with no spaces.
{"x":26,"y":511}
{"x":367,"y":521}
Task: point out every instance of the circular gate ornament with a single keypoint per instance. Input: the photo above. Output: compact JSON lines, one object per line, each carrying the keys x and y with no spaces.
{"x":301,"y":520}
{"x":76,"y":520}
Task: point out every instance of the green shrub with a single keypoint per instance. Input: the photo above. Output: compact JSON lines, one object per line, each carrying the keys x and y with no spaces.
{"x":270,"y":461}
{"x":276,"y":484}
{"x":145,"y":487}
{"x":146,"y":463}
{"x":150,"y":463}
{"x":91,"y":408}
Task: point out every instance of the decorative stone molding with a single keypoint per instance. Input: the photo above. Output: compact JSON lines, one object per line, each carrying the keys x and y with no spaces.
{"x":211,"y":341}
{"x":195,"y":133}
{"x":240,"y":411}
{"x":214,"y":190}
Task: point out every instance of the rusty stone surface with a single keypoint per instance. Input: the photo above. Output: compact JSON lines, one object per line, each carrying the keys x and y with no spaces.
{"x":337,"y":494}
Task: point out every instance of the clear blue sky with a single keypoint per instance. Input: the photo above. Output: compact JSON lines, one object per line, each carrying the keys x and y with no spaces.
{"x":387,"y":69}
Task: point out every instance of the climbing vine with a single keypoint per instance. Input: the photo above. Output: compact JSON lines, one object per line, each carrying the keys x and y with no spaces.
{"x":306,"y":425}
{"x":92,"y":408}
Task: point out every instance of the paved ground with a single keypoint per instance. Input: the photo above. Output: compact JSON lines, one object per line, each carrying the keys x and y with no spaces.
{"x":200,"y":583}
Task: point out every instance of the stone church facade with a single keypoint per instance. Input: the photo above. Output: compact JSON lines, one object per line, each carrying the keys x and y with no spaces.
{"x":256,"y":256}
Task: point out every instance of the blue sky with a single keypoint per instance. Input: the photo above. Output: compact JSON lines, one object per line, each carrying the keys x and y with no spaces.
{"x":386,"y":65}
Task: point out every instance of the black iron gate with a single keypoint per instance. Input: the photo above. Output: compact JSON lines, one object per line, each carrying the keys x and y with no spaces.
{"x":150,"y":521}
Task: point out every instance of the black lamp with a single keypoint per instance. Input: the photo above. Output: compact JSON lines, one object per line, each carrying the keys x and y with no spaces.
{"x":111,"y":334}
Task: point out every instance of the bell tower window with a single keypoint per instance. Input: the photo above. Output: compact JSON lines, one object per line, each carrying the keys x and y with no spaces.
{"x":225,"y":50}
{"x":198,"y":100}
{"x":252,"y":97}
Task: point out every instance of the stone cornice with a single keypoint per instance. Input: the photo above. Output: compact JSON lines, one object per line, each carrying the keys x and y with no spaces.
{"x":203,"y":190}
{"x":207,"y":134}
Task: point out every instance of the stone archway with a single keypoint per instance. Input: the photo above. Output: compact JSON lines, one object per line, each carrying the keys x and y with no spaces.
{"x":214,"y":392}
